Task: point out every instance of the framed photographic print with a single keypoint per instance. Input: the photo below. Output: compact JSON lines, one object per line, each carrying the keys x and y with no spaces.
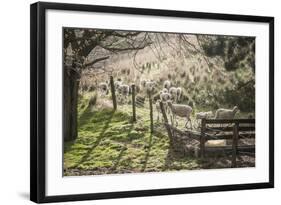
{"x":129,"y":102}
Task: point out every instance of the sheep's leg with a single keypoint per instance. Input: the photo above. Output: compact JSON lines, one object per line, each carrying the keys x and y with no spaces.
{"x":161,"y":115}
{"x":157,"y":116}
{"x":188,"y":120}
{"x":167,"y":111}
{"x":186,"y":124}
{"x":172,"y":120}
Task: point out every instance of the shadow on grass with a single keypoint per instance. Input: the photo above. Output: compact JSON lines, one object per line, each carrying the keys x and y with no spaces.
{"x":169,"y":159}
{"x":173,"y":156}
{"x":118,"y":159}
{"x":85,"y":116}
{"x":147,"y":153}
{"x":68,"y":146}
{"x":100,"y":137}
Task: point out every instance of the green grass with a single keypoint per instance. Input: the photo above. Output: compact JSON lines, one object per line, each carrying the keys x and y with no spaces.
{"x":108,"y":142}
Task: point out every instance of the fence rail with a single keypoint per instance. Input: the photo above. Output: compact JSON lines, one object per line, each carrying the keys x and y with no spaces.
{"x":139,"y":108}
{"x":215,"y":129}
{"x":234,"y":129}
{"x":224,"y":121}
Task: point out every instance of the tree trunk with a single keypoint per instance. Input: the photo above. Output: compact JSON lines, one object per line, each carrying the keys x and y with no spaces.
{"x":70,"y":91}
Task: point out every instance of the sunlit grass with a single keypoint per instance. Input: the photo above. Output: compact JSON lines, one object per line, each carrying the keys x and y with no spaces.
{"x":108,"y":142}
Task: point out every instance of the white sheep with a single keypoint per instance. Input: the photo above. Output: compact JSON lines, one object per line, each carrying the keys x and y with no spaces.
{"x":226,"y":113}
{"x":124,"y":90}
{"x":158,"y":109}
{"x":150,"y":86}
{"x":142,"y":83}
{"x":181,"y":111}
{"x":204,"y":115}
{"x":103,"y":87}
{"x":165,"y":96}
{"x":167,"y":84}
{"x":173,"y":92}
{"x":179,"y":92}
{"x":117,"y":84}
{"x":164,"y":90}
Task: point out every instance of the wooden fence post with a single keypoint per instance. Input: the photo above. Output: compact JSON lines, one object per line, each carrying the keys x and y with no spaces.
{"x":202,"y":138}
{"x":112,"y":87}
{"x":166,"y":122}
{"x":151,"y":112}
{"x":234,"y":144}
{"x":134,"y":102}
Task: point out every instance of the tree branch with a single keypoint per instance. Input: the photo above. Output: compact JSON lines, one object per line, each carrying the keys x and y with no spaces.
{"x":115,"y":49}
{"x":129,"y":34}
{"x":96,"y":60}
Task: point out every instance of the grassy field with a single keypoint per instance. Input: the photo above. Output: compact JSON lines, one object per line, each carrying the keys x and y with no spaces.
{"x":108,"y":142}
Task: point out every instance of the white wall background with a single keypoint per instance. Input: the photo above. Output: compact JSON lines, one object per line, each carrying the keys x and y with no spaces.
{"x":14,"y":101}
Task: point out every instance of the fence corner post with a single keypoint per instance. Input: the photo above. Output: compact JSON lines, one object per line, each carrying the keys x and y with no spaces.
{"x":202,"y":138}
{"x":234,"y":144}
{"x":166,"y":123}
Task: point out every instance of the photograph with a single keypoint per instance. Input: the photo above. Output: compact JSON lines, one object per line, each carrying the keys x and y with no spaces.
{"x":134,"y":102}
{"x":143,"y":101}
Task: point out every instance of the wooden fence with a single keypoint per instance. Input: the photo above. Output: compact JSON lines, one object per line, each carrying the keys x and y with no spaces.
{"x":188,"y":141}
{"x":227,"y":129}
{"x":133,"y":102}
{"x":211,"y":129}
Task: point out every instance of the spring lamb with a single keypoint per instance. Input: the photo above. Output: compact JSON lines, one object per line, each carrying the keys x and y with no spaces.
{"x":181,"y":111}
{"x":226,"y":113}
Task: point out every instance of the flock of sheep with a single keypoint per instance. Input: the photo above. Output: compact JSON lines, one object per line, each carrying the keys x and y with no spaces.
{"x":169,"y":95}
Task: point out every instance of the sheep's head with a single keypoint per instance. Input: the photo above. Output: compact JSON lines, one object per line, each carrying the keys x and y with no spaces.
{"x":169,"y":96}
{"x":167,"y":84}
{"x":169,"y":103}
{"x":143,"y":83}
{"x":210,"y":114}
{"x":165,"y":90}
{"x":235,"y":109}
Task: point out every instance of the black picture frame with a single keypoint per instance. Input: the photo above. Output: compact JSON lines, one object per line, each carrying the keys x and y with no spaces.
{"x":38,"y":101}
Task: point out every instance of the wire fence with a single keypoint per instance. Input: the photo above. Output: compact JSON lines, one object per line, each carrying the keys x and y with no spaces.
{"x":140,"y":107}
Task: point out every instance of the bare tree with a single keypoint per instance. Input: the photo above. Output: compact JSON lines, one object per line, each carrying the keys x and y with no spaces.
{"x":78,"y":45}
